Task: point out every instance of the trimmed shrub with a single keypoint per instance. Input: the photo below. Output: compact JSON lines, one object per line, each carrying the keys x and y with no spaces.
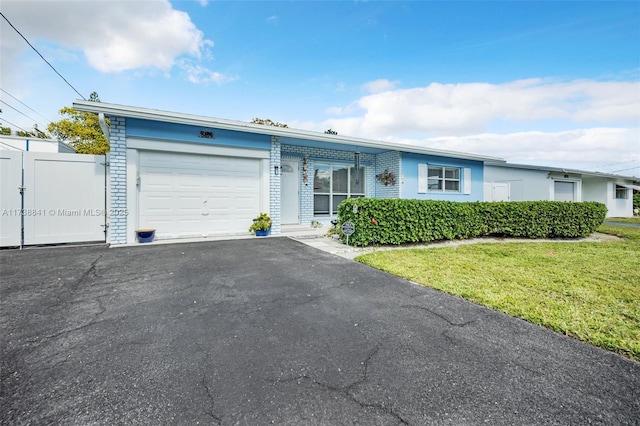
{"x":397,"y":221}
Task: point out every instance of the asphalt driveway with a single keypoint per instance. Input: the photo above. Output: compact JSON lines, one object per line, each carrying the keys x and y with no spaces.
{"x":271,"y":331}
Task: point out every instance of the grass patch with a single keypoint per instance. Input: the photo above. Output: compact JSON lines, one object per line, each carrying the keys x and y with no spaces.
{"x":587,"y":290}
{"x":635,"y":219}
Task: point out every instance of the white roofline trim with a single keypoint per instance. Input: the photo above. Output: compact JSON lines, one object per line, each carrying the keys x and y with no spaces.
{"x":195,"y":120}
{"x":560,"y":170}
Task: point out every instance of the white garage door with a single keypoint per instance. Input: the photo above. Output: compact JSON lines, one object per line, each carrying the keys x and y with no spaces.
{"x":191,"y":195}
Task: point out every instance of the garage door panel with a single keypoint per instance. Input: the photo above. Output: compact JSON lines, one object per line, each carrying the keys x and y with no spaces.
{"x":185,"y":195}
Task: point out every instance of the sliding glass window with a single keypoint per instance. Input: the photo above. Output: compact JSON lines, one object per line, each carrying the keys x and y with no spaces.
{"x":333,"y":183}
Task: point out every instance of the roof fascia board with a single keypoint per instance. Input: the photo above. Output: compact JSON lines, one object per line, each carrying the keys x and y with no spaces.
{"x":180,"y":118}
{"x":560,"y":170}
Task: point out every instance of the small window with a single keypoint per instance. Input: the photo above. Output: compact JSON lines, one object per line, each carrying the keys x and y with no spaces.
{"x":622,"y":193}
{"x":443,"y":179}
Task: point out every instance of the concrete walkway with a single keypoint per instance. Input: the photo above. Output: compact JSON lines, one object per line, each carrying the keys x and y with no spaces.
{"x":629,"y":225}
{"x":316,"y":237}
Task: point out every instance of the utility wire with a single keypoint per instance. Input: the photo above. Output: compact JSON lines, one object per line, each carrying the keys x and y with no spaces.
{"x":623,"y":170}
{"x":13,"y":148}
{"x":39,"y":54}
{"x":30,"y":131}
{"x":48,"y":121}
{"x":14,"y":125}
{"x":18,"y":111}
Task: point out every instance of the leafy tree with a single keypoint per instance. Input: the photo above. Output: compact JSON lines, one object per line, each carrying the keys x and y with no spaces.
{"x":81,"y":130}
{"x":267,"y":122}
{"x":331,"y":132}
{"x":4,"y":130}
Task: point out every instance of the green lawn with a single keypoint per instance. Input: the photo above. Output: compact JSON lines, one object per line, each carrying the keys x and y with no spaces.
{"x":587,"y":290}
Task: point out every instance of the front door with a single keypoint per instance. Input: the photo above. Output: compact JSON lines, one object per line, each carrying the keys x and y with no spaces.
{"x":289,"y":200}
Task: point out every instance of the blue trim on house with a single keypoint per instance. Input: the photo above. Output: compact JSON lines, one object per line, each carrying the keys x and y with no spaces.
{"x":410,"y":171}
{"x":187,"y":133}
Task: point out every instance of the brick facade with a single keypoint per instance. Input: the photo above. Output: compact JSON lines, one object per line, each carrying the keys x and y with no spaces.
{"x":274,"y":186}
{"x":118,"y":181}
{"x":307,"y":156}
{"x":390,"y":161}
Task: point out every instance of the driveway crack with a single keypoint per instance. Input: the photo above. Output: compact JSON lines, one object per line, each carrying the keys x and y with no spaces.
{"x":347,"y":391}
{"x":442,"y":317}
{"x":217,"y":419}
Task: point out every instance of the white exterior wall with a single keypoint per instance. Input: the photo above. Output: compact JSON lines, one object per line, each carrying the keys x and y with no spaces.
{"x":20,"y":143}
{"x":596,"y":189}
{"x":618,"y":207}
{"x":526,"y":185}
{"x":538,"y":185}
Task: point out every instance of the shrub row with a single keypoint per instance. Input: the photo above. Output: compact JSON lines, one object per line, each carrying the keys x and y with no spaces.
{"x":397,"y":221}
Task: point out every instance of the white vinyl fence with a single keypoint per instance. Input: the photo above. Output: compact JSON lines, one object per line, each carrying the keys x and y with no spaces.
{"x":51,"y":198}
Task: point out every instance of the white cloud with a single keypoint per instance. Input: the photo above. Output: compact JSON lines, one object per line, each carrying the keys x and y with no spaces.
{"x":593,"y":123}
{"x":589,"y":148}
{"x":198,"y":74}
{"x":272,"y":19}
{"x":381,"y":85}
{"x":458,"y":109}
{"x":114,"y":36}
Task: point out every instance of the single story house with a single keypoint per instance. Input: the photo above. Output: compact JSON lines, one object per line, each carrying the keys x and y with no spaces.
{"x":32,"y":144}
{"x":191,"y":176}
{"x":520,"y":182}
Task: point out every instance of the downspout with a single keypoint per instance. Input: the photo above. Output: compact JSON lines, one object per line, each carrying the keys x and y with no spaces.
{"x":103,"y":126}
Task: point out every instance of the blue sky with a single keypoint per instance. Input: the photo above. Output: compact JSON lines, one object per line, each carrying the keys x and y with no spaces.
{"x":546,"y":82}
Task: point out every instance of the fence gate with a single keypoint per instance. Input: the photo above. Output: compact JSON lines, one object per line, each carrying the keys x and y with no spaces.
{"x":50,"y":198}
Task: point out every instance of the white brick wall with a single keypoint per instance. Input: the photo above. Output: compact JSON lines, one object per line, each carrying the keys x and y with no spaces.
{"x":391,"y":161}
{"x":118,"y":181}
{"x":320,"y":155}
{"x":274,"y":186}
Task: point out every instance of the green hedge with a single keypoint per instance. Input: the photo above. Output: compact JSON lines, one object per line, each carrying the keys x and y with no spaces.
{"x":396,"y":221}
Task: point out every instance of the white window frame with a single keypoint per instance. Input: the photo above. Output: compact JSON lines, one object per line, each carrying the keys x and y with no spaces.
{"x":463,"y":179}
{"x":333,"y":209}
{"x":620,"y":188}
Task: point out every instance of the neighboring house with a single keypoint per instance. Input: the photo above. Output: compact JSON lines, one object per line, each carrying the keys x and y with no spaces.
{"x":519,"y":182}
{"x":21,"y":143}
{"x":191,"y":176}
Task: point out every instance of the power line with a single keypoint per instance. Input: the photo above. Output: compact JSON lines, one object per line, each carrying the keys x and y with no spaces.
{"x":14,"y":125}
{"x":39,"y":54}
{"x":615,"y":164}
{"x":18,"y":111}
{"x":47,"y":140}
{"x":26,"y":105}
{"x":10,"y":146}
{"x":623,"y":170}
